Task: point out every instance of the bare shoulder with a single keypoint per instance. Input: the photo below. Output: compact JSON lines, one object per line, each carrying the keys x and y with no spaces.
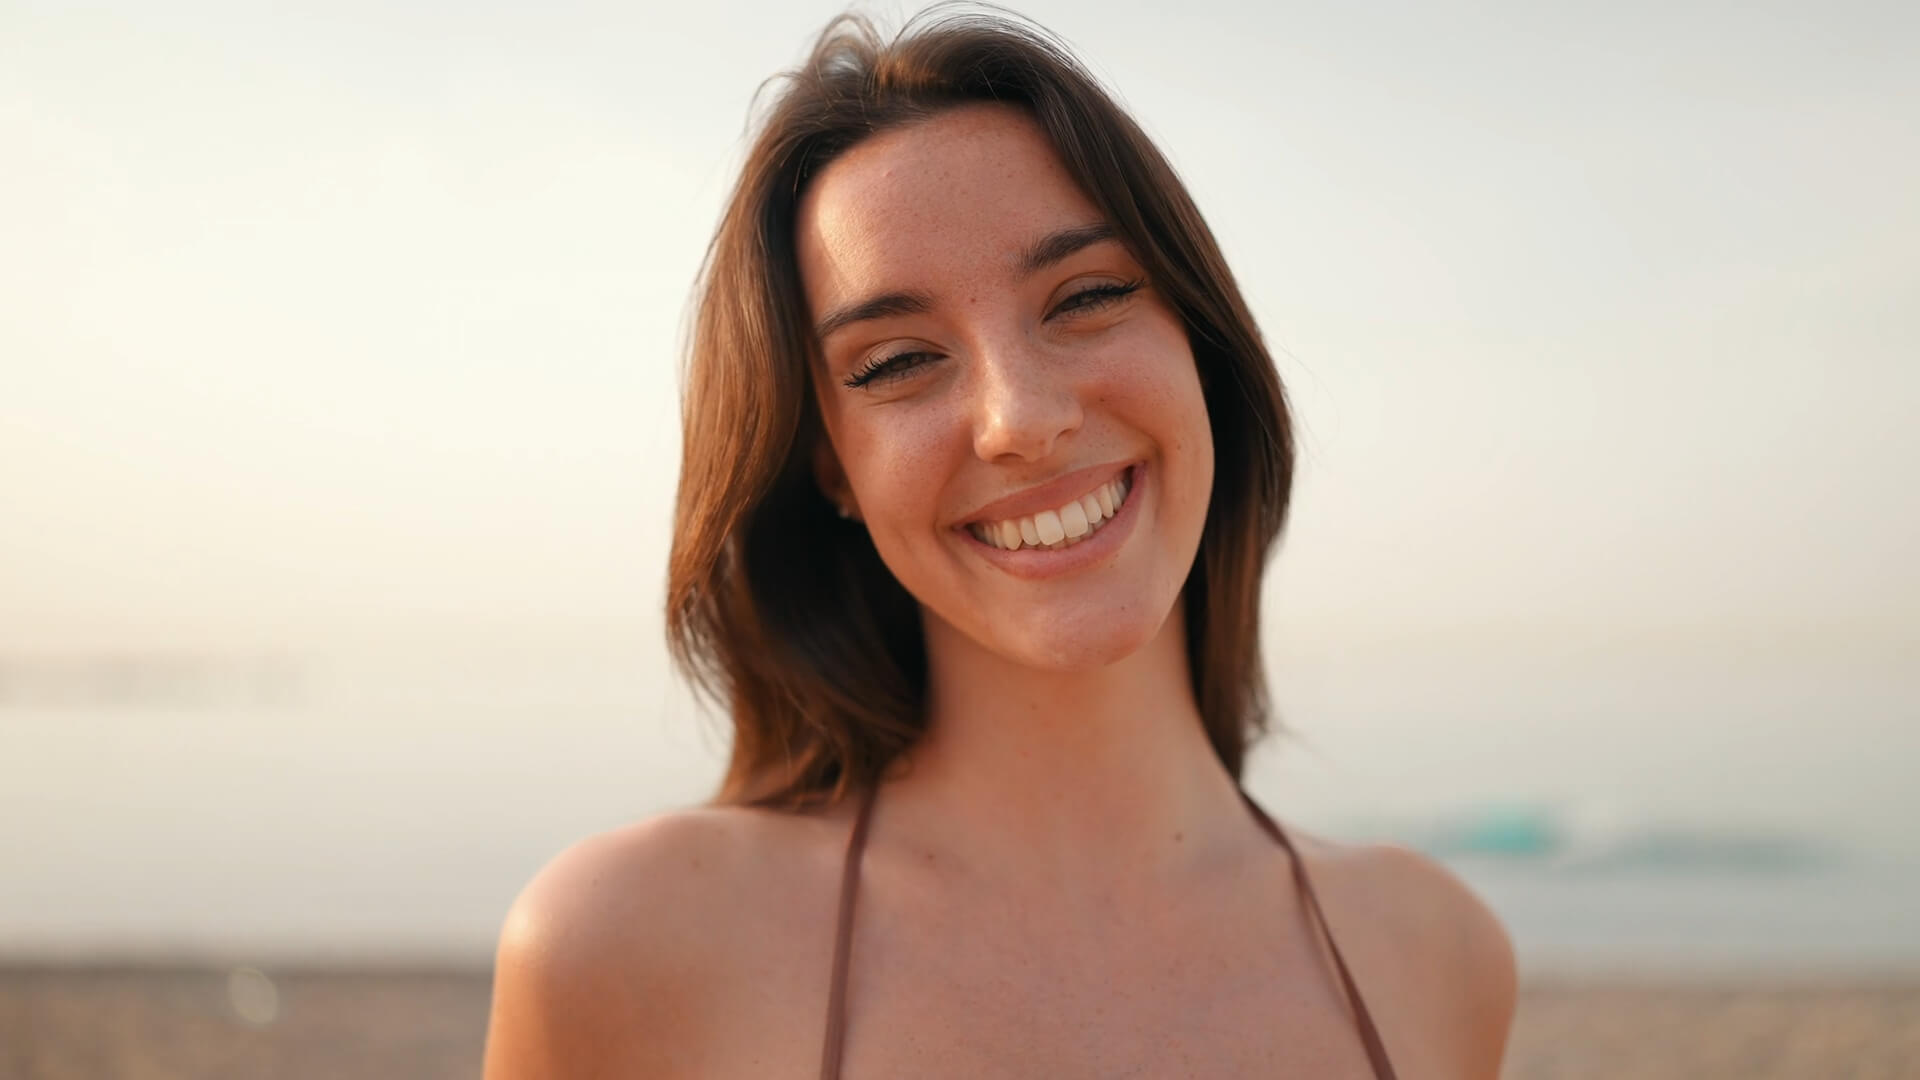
{"x":1427,"y":943}
{"x":621,"y":955}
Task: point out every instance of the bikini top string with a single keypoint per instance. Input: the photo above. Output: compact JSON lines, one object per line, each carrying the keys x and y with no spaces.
{"x":843,"y":942}
{"x":1369,"y":1034}
{"x":843,"y":938}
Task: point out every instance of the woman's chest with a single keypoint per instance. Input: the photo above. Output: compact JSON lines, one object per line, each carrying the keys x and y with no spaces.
{"x":934,"y":995}
{"x":1049,"y":1019}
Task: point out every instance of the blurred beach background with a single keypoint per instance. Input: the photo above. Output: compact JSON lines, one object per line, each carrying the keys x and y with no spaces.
{"x":338,"y":433}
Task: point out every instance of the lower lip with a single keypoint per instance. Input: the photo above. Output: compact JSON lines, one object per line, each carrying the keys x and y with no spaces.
{"x":1093,"y":551}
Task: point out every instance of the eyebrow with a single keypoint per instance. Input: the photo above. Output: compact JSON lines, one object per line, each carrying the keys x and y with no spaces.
{"x":1055,"y":247}
{"x":884,"y":306}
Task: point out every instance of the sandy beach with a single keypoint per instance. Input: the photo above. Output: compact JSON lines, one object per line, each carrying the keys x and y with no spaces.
{"x":154,"y":1024}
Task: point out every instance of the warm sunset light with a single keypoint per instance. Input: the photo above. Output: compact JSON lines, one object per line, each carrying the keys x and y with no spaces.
{"x":340,"y":425}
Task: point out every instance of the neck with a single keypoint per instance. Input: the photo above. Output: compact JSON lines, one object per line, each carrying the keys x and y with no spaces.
{"x":1099,"y":776}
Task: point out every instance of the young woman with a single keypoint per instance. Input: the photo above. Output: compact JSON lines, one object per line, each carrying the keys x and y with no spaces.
{"x":983,"y":460}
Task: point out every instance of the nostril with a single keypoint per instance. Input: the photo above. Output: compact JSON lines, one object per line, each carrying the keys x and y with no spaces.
{"x":1024,"y":429}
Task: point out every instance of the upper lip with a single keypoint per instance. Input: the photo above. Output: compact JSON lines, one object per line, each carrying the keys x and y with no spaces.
{"x":1051,"y":495}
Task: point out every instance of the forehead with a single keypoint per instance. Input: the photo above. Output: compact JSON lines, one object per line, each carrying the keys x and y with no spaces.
{"x":958,"y":195}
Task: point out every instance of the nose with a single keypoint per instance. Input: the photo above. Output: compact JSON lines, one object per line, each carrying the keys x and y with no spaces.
{"x":1024,"y":403}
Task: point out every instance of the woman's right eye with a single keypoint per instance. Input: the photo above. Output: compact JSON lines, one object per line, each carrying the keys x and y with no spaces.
{"x":882,"y":368}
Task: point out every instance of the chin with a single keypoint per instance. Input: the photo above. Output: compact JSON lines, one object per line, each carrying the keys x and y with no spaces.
{"x":1095,"y":641}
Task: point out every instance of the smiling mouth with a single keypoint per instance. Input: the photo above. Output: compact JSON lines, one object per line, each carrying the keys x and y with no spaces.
{"x":1061,"y":527}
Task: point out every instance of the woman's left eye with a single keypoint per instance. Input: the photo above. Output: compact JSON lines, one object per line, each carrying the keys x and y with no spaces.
{"x":1097,"y":297}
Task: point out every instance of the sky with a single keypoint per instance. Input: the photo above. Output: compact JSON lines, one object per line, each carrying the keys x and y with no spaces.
{"x":331,"y":325}
{"x":355,"y":329}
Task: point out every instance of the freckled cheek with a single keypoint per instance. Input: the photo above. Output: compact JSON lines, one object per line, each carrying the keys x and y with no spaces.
{"x":898,"y":471}
{"x":1156,"y":393}
{"x":1160,"y":398}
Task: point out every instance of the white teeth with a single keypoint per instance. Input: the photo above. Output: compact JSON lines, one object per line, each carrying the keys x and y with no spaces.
{"x":1073,"y":517}
{"x":1047,"y":524}
{"x":1054,"y":529}
{"x":1090,"y":506}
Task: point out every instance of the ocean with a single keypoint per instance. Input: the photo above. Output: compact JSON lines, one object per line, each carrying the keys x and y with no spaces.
{"x":356,"y":813}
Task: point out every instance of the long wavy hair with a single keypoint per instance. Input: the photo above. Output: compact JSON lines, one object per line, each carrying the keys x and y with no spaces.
{"x":783,"y":613}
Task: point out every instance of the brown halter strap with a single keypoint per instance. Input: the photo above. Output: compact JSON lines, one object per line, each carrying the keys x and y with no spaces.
{"x":850,"y":888}
{"x":1369,"y":1035}
{"x":843,"y":939}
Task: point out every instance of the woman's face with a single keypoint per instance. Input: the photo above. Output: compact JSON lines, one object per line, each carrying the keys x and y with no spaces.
{"x":1012,"y":408}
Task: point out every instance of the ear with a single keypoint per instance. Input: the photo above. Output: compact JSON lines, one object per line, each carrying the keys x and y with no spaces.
{"x":832,"y":479}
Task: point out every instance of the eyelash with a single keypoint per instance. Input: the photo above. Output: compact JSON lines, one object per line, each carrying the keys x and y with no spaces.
{"x":1089,"y":299}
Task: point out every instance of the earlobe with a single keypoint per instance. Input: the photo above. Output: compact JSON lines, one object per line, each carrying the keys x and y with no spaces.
{"x":832,"y":480}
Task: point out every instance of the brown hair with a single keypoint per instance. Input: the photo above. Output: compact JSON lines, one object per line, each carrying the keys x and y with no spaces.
{"x":785,"y":614}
